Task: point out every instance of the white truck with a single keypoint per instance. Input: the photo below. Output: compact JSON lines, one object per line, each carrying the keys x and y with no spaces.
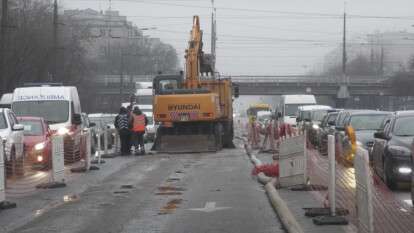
{"x":59,"y":106}
{"x":289,"y":106}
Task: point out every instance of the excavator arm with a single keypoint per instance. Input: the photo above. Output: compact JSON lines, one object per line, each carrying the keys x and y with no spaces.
{"x":193,"y":55}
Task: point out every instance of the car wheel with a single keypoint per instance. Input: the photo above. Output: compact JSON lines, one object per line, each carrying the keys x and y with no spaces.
{"x":412,"y":190}
{"x":388,"y":179}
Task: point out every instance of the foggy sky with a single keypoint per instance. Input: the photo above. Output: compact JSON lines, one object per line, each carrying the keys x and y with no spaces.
{"x":267,"y":39}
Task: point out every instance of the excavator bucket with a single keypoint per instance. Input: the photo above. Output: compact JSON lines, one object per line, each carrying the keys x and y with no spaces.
{"x":197,"y":143}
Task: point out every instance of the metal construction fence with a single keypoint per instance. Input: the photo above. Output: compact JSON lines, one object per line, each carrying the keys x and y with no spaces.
{"x":24,"y":171}
{"x":363,"y":198}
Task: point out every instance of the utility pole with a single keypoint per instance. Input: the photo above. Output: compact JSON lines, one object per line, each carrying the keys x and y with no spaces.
{"x":343,"y":92}
{"x":3,"y":40}
{"x":121,"y":77}
{"x":344,"y":57}
{"x":213,"y":36}
{"x":55,"y":40}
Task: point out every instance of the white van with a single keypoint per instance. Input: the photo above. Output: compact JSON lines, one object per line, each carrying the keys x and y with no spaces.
{"x":58,"y":105}
{"x":144,"y":93}
{"x":289,"y":105}
{"x":6,"y":100}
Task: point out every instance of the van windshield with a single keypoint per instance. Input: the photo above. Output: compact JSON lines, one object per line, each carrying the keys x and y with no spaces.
{"x":292,"y":109}
{"x":56,"y":111}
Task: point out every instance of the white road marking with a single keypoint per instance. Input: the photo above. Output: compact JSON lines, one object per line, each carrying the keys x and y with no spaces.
{"x":210,"y":207}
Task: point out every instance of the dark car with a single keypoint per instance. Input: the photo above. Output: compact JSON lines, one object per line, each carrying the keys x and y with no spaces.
{"x":364,"y":122}
{"x":391,"y":153}
{"x":327,"y":127}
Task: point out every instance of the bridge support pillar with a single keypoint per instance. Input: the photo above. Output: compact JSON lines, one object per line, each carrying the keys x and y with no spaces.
{"x":342,"y":96}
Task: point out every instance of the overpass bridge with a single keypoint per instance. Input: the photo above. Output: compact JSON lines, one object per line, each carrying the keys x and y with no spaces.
{"x":361,"y":88}
{"x":316,"y":85}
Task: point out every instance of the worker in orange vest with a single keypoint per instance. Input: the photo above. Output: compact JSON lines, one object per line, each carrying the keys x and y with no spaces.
{"x":139,"y":123}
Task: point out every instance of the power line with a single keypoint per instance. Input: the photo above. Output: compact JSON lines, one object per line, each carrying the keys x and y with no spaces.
{"x":292,"y":13}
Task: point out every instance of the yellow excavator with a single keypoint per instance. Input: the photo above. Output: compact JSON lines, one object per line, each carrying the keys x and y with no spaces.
{"x":195,"y":113}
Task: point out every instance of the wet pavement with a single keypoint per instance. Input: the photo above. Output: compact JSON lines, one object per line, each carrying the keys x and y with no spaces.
{"x":202,"y":192}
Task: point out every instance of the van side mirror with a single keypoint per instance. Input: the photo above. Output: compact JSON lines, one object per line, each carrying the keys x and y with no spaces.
{"x":76,"y":119}
{"x":298,"y":119}
{"x":381,"y":135}
{"x":18,"y":127}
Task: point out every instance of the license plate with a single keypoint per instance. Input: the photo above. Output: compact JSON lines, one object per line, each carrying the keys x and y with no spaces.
{"x":184,"y":117}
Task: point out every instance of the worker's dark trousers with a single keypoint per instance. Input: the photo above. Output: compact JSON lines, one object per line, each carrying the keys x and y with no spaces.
{"x":125,"y":136}
{"x":138,"y":141}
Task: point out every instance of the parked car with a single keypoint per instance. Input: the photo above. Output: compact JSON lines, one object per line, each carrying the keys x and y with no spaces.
{"x":11,"y":133}
{"x":392,"y":149}
{"x":88,"y":126}
{"x":103,"y":121}
{"x":37,"y":141}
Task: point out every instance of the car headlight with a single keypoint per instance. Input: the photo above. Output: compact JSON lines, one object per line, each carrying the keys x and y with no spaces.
{"x":404,"y":170}
{"x":315,"y":126}
{"x":39,"y":146}
{"x":62,"y":131}
{"x":399,"y":151}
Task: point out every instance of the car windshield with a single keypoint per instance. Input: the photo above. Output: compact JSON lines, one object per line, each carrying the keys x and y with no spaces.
{"x":32,"y":127}
{"x":52,"y":111}
{"x":3,"y":123}
{"x":292,"y":109}
{"x":404,"y":126}
{"x":305,"y":115}
{"x":367,"y":122}
{"x":144,"y":99}
{"x":318,"y":115}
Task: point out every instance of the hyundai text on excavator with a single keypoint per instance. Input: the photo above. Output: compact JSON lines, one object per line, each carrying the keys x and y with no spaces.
{"x":196,"y":113}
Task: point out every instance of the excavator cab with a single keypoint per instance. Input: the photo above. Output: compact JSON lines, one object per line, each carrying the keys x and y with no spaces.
{"x":167,"y":84}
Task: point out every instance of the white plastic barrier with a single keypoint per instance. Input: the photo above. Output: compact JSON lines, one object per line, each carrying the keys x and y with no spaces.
{"x":105,"y":137}
{"x":332,"y":174}
{"x":58,"y":166}
{"x":292,"y":161}
{"x":88,"y":151}
{"x":3,"y":203}
{"x":364,"y":184}
{"x":57,"y":177}
{"x":2,"y":174}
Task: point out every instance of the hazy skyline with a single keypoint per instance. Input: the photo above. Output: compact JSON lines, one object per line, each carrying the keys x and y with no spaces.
{"x":265,"y":37}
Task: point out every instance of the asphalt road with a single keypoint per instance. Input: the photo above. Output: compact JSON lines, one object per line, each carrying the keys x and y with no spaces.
{"x":168,"y":193}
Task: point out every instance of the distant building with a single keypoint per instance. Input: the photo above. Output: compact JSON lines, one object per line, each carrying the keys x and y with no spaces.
{"x":107,"y":30}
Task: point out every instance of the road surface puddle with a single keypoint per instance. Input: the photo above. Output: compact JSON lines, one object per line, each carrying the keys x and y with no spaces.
{"x":170,"y":207}
{"x":169,"y":190}
{"x":70,"y":198}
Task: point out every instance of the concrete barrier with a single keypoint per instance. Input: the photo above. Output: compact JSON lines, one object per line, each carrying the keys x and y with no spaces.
{"x":286,"y":217}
